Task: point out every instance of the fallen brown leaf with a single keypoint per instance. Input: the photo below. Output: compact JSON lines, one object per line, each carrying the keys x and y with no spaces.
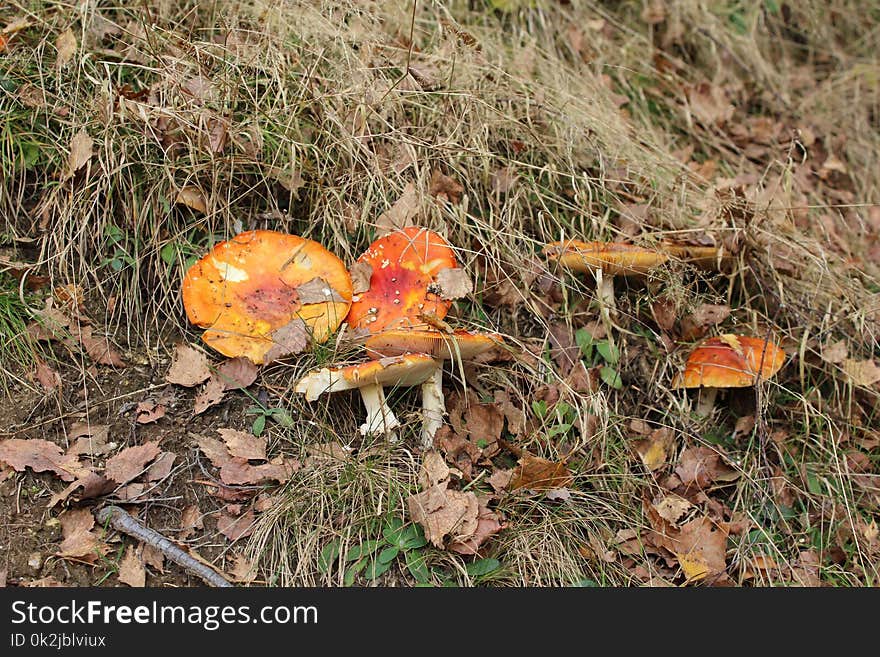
{"x":78,"y":541}
{"x":131,"y":568}
{"x":193,"y":198}
{"x":90,"y":439}
{"x":153,"y":557}
{"x":700,"y":466}
{"x":99,"y":349}
{"x":244,"y":445}
{"x":190,"y":519}
{"x":233,"y":527}
{"x":536,"y":473}
{"x":40,"y":456}
{"x":290,"y":339}
{"x":861,"y":372}
{"x":237,"y":373}
{"x":161,"y":467}
{"x":210,"y":395}
{"x":243,"y":570}
{"x":696,"y":324}
{"x":237,"y":471}
{"x":445,"y":188}
{"x":46,"y":376}
{"x":836,"y":352}
{"x":317,"y":290}
{"x":489,"y":523}
{"x":443,"y":512}
{"x":361,"y":273}
{"x":189,"y":367}
{"x":453,"y":283}
{"x":80,"y":152}
{"x":66,"y":46}
{"x":148,"y":411}
{"x":433,"y":471}
{"x":131,"y":462}
{"x":401,"y":214}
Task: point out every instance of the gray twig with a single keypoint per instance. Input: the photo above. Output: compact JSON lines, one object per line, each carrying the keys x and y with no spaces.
{"x":125,"y":523}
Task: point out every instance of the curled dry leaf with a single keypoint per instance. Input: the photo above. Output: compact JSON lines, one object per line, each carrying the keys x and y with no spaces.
{"x":131,"y":568}
{"x":80,"y":153}
{"x":433,"y":471}
{"x":99,"y":349}
{"x":131,"y":462}
{"x":193,"y":198}
{"x":237,"y":471}
{"x":500,"y":479}
{"x":488,"y":524}
{"x":46,"y":376}
{"x":243,"y":570}
{"x":317,"y":290}
{"x":445,"y":188}
{"x":696,"y":324}
{"x":92,"y":484}
{"x":190,"y":519}
{"x":536,"y":473}
{"x":153,"y":557}
{"x":189,"y":367}
{"x":66,"y":46}
{"x":442,"y":512}
{"x":672,"y":507}
{"x":40,"y":456}
{"x":654,"y":450}
{"x":89,"y":439}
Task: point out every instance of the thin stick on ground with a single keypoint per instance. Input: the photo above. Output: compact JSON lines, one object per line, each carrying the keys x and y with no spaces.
{"x":123,"y":522}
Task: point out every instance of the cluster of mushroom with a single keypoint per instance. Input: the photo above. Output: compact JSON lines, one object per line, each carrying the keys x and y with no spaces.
{"x":265,"y":294}
{"x":724,"y":361}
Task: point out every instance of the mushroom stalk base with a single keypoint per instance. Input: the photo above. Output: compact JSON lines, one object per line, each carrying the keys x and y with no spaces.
{"x":380,"y":417}
{"x":707,"y":401}
{"x":607,"y":304}
{"x":433,"y":407}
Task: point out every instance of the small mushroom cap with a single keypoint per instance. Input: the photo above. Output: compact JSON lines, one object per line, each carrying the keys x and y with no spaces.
{"x":247,"y":288}
{"x":405,"y":265}
{"x":446,"y":346}
{"x":613,"y":258}
{"x":729,"y":361}
{"x":405,"y":370}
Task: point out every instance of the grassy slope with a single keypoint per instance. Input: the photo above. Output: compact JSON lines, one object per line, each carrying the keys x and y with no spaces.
{"x":753,"y":125}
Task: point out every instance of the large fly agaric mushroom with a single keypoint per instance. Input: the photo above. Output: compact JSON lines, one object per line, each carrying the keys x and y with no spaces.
{"x":605,"y":260}
{"x":728,"y":361}
{"x":411,"y":272}
{"x":456,"y":345}
{"x":265,"y":294}
{"x":370,"y":378}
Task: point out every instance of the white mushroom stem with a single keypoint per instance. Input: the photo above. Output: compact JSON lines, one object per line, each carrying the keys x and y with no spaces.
{"x":433,"y":406}
{"x":380,"y":417}
{"x":707,"y":401}
{"x":605,"y":296}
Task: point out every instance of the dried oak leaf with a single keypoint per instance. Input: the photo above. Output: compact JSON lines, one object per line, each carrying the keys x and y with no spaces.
{"x":99,"y":349}
{"x":190,"y":519}
{"x":131,"y":462}
{"x":131,"y":568}
{"x":433,"y":471}
{"x":40,"y":456}
{"x":443,"y":512}
{"x":92,"y":484}
{"x":317,"y":290}
{"x":153,"y":557}
{"x":243,"y":570}
{"x":244,"y":445}
{"x":189,"y":367}
{"x":861,"y":372}
{"x":536,"y":473}
{"x":46,"y":376}
{"x":696,"y":324}
{"x":500,"y":479}
{"x":700,"y":548}
{"x":214,"y":449}
{"x":233,"y":527}
{"x":671,"y":507}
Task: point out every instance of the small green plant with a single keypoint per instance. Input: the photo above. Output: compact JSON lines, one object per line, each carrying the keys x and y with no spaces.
{"x":564,"y":413}
{"x":120,"y":255}
{"x":277,"y":415}
{"x":600,"y":352}
{"x":374,"y":557}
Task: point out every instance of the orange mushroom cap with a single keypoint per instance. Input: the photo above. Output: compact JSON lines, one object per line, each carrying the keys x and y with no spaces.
{"x":404,"y":370}
{"x":404,"y":266}
{"x":730,"y":361}
{"x":445,"y":346}
{"x":613,"y":258}
{"x":248,"y":288}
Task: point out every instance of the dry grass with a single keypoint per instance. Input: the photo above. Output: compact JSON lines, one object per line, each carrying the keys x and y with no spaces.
{"x":559,"y":120}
